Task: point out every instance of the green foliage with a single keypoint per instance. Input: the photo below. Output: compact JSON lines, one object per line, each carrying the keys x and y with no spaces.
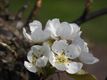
{"x":86,"y":76}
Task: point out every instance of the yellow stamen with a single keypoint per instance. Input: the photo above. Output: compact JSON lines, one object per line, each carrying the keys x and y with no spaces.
{"x":34,"y":58}
{"x":61,"y":58}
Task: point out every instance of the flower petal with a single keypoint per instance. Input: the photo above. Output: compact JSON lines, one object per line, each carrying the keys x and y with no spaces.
{"x":76,"y":30}
{"x":34,"y":25}
{"x":26,"y":35}
{"x":29,"y":55}
{"x":88,"y":58}
{"x":37,"y":50}
{"x":40,"y":36}
{"x":52,"y":58}
{"x":53,"y":62}
{"x":65,"y":31}
{"x":81,"y":43}
{"x":59,"y":46}
{"x":72,"y":51}
{"x":52,"y":26}
{"x":46,"y":50}
{"x":73,"y":67}
{"x":41,"y":62}
{"x":60,"y":66}
{"x":30,"y":67}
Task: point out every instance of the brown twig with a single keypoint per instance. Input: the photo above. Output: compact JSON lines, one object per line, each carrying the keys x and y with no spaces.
{"x":85,"y":12}
{"x":34,"y":12}
{"x":91,"y":16}
{"x":86,"y":16}
{"x":9,"y":48}
{"x":96,"y":14}
{"x":37,"y":7}
{"x":88,"y":5}
{"x":21,"y":10}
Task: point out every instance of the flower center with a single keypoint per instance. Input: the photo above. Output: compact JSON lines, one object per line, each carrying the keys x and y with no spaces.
{"x":34,"y":58}
{"x":61,"y":58}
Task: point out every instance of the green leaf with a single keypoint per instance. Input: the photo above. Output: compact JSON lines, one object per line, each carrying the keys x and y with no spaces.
{"x":83,"y":76}
{"x":81,"y":72}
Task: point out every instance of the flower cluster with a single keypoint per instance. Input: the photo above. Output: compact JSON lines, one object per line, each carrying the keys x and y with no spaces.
{"x":61,"y":46}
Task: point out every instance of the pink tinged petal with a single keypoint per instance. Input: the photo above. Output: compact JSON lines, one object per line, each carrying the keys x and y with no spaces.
{"x":73,"y":51}
{"x":26,"y":35}
{"x":88,"y":58}
{"x":41,"y":62}
{"x":73,"y":67}
{"x":65,"y":31}
{"x":35,"y":25}
{"x":59,"y":46}
{"x":30,"y":67}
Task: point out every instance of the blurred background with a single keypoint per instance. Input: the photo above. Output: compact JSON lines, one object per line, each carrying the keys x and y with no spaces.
{"x":94,"y":31}
{"x":68,"y":10}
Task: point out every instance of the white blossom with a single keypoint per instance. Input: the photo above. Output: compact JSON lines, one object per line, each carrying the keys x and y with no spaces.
{"x":37,"y":34}
{"x":85,"y":56}
{"x":63,"y":56}
{"x":37,"y":57}
{"x":62,"y":30}
{"x":68,"y":50}
{"x":61,"y":59}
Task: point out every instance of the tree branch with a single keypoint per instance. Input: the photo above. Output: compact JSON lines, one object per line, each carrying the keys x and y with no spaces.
{"x":86,"y":15}
{"x":91,"y":16}
{"x":96,"y":14}
{"x":87,"y":8}
{"x":34,"y":12}
{"x":85,"y":12}
{"x":21,"y":10}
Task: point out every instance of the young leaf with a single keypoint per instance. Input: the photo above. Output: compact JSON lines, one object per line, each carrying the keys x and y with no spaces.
{"x":83,"y":77}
